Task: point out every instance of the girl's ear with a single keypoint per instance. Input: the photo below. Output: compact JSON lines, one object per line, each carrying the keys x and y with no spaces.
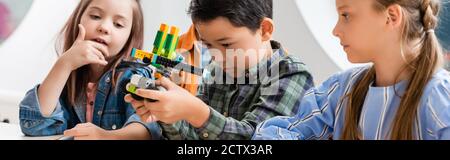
{"x":394,"y":16}
{"x":267,"y":28}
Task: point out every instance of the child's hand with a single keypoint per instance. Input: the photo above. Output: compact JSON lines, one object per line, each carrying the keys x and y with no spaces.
{"x":84,"y":52}
{"x":171,"y":106}
{"x":87,"y":131}
{"x":141,"y":110}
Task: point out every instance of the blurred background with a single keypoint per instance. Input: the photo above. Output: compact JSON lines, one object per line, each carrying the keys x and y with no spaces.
{"x":28,"y":30}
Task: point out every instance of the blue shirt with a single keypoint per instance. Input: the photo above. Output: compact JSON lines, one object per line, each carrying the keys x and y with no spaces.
{"x":321,"y":113}
{"x":110,"y":110}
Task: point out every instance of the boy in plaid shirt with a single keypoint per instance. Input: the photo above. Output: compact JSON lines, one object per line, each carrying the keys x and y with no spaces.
{"x":234,"y":97}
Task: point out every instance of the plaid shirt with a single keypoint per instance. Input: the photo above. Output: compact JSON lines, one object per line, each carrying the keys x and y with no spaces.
{"x":236,"y":109}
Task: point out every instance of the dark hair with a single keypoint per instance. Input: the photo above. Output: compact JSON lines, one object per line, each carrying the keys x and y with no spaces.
{"x":241,"y":13}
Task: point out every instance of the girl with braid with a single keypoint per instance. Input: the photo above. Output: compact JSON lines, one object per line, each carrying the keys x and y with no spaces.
{"x":404,"y":94}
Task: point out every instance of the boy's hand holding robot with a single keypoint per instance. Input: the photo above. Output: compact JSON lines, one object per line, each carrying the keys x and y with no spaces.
{"x":160,"y":61}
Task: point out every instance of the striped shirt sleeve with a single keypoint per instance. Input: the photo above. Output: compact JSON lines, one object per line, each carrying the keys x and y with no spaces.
{"x":314,"y":120}
{"x":438,"y":111}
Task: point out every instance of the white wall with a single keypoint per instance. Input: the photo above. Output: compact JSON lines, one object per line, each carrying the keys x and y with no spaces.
{"x":27,"y":56}
{"x":164,"y":11}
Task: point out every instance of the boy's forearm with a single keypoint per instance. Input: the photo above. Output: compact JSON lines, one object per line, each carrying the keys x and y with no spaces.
{"x":50,"y":90}
{"x":133,"y":131}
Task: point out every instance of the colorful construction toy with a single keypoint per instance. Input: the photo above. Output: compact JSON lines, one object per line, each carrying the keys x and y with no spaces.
{"x":141,"y":82}
{"x":163,"y":54}
{"x":161,"y":60}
